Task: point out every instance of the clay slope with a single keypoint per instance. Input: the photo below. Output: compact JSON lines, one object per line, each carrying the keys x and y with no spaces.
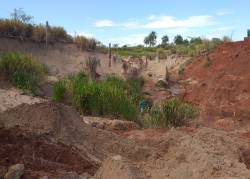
{"x":220,"y":84}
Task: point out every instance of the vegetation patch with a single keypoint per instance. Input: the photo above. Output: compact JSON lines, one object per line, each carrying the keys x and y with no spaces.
{"x":22,"y":70}
{"x":173,"y":113}
{"x":21,"y":26}
{"x":112,"y":97}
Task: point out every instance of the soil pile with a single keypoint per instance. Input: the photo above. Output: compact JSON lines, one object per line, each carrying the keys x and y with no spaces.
{"x":62,"y":124}
{"x":51,"y":139}
{"x":40,"y":156}
{"x":221,"y":82}
{"x":10,"y":98}
{"x":178,"y":154}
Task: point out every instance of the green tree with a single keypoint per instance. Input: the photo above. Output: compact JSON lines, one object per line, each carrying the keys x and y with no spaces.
{"x":196,"y":40}
{"x":115,"y":45}
{"x":151,"y":39}
{"x":186,"y":42}
{"x":146,"y":40}
{"x":164,"y":40}
{"x":178,"y":39}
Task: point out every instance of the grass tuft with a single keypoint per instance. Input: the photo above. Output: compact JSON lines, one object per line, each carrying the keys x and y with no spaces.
{"x":22,"y":70}
{"x":112,"y":97}
{"x":173,"y":113}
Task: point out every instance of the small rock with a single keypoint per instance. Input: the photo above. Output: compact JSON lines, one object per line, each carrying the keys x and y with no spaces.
{"x":150,"y":74}
{"x":15,"y":172}
{"x":162,"y":84}
{"x":117,"y":157}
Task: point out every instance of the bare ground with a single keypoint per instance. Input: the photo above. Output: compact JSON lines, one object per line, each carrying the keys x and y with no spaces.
{"x":176,"y":153}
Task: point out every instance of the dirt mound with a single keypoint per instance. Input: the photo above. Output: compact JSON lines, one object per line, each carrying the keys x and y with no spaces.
{"x":51,"y":139}
{"x":40,"y":156}
{"x":10,"y":98}
{"x":62,"y":124}
{"x":222,"y":85}
{"x":202,"y":153}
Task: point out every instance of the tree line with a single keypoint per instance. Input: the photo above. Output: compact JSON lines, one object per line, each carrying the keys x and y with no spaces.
{"x":151,"y":40}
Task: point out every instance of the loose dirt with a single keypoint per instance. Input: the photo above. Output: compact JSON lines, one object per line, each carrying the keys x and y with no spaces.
{"x":222,"y":85}
{"x":51,"y":139}
{"x":11,"y":97}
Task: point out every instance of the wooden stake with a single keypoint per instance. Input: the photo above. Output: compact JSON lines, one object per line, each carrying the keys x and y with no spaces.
{"x":110,"y":55}
{"x":46,"y":31}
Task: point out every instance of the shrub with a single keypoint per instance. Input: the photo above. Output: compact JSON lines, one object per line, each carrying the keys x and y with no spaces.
{"x":15,"y":28}
{"x":173,"y":113}
{"x":22,"y":70}
{"x":58,"y":34}
{"x":153,"y":118}
{"x":85,"y":43}
{"x":58,"y":91}
{"x":132,"y":87}
{"x":109,"y":97}
{"x":161,"y":54}
{"x":176,"y":113}
{"x":19,"y":29}
{"x":39,"y":33}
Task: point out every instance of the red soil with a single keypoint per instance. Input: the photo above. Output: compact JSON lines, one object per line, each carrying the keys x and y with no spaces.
{"x":223,"y":85}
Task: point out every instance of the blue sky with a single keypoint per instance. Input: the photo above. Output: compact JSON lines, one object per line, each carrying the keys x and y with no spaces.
{"x":129,"y":21}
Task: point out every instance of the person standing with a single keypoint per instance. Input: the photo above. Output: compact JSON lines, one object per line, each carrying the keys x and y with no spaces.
{"x":142,"y":105}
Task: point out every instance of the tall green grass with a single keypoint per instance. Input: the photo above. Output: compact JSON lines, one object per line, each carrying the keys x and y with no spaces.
{"x":58,"y":91}
{"x":173,"y":113}
{"x":22,"y":70}
{"x":112,"y":97}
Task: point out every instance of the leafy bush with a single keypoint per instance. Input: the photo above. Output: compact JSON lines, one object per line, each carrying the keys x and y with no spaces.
{"x":173,"y":113}
{"x":111,"y":97}
{"x":22,"y":70}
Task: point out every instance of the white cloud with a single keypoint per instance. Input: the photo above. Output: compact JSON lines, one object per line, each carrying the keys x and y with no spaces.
{"x":164,"y":22}
{"x":223,"y":12}
{"x":104,"y":23}
{"x":161,"y":22}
